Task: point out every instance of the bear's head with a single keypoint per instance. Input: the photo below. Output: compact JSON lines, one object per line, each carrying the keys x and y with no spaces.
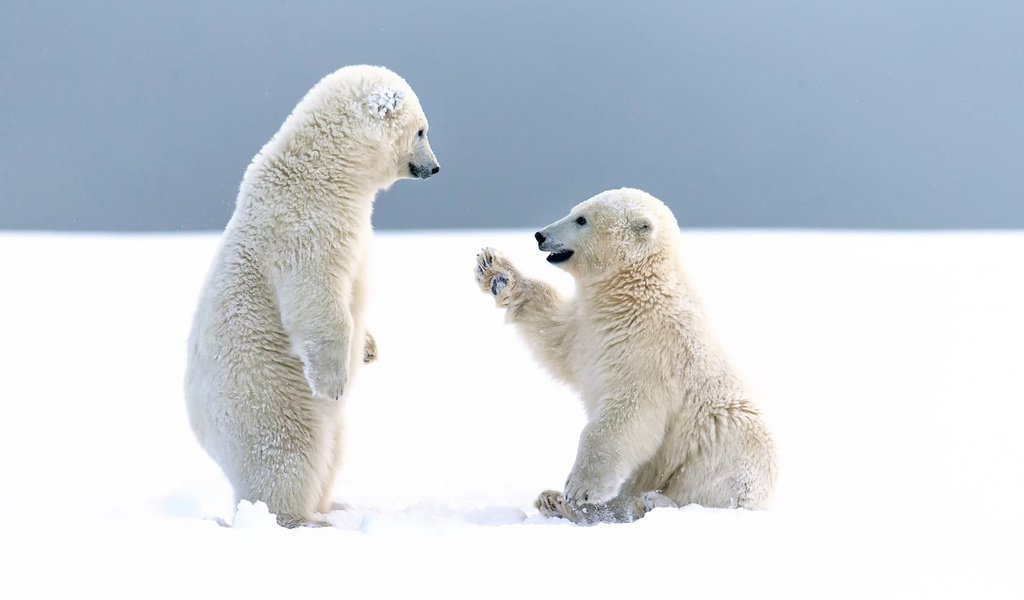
{"x":392,"y":105}
{"x":609,"y":232}
{"x":369,"y":118}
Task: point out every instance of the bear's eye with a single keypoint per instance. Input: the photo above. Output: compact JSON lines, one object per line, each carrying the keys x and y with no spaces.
{"x":581,"y":221}
{"x":419,"y":133}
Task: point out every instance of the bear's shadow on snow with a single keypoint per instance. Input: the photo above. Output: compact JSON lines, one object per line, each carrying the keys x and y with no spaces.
{"x":424,"y":515}
{"x":183,"y":504}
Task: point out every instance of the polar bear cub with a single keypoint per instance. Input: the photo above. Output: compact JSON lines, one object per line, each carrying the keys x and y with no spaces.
{"x":669,"y":423}
{"x":279,"y":330}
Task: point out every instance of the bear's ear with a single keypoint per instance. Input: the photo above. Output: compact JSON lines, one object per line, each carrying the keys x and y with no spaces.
{"x":641,"y":226}
{"x":384,"y":102}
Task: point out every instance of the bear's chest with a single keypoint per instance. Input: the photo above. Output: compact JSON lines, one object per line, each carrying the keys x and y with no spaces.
{"x":614,"y":357}
{"x":605,"y":352}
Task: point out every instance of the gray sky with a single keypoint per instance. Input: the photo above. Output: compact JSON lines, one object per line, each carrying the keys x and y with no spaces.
{"x":126,"y":115}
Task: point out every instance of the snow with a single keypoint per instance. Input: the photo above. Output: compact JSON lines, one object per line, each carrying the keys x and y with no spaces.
{"x":888,"y":365}
{"x":386,"y":100}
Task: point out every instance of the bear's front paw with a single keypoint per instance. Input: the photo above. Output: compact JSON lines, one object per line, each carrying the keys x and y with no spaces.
{"x":588,"y":487}
{"x":551,"y":504}
{"x":493,"y":274}
{"x":369,"y":349}
{"x":498,"y":285}
{"x":327,"y":384}
{"x":326,"y":370}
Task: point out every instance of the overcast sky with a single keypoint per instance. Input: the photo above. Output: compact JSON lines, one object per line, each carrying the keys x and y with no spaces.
{"x":126,"y":115}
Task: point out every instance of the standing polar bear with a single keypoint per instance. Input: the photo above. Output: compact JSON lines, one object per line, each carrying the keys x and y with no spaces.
{"x":668,"y":421}
{"x":279,"y":330}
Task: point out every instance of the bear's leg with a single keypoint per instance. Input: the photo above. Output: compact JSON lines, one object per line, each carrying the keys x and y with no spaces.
{"x":327,"y":503}
{"x":290,"y":491}
{"x":739,"y":475}
{"x":284,"y":463}
{"x":291,"y":498}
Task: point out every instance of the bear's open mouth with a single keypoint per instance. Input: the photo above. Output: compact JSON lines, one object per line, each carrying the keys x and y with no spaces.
{"x":560,"y":256}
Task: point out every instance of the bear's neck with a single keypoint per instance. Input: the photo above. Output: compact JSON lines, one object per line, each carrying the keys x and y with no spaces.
{"x":651,"y":274}
{"x":319,"y":168}
{"x":647,"y":282}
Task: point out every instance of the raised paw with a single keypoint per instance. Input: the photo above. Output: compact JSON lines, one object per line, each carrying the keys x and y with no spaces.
{"x":498,"y":285}
{"x":369,"y":349}
{"x":493,"y":274}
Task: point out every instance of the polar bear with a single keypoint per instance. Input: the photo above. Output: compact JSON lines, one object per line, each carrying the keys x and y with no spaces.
{"x":668,"y":421}
{"x":279,"y":330}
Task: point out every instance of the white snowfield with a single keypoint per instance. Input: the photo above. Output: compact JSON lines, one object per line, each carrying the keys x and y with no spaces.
{"x":889,"y":366}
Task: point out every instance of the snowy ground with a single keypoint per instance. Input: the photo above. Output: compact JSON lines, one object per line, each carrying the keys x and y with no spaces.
{"x":889,"y":366}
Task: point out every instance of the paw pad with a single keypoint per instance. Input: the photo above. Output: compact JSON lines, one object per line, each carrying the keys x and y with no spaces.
{"x":498,"y":284}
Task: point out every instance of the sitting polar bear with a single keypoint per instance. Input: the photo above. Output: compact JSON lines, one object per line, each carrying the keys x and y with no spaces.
{"x":668,"y":421}
{"x":279,"y":329}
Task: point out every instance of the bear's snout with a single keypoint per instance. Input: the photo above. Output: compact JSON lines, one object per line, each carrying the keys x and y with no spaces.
{"x":539,"y":237}
{"x":424,"y":171}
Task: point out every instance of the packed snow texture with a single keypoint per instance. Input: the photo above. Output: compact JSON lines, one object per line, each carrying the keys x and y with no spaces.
{"x":889,"y":367}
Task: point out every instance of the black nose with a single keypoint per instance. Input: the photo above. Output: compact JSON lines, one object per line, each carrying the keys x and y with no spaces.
{"x":435,"y":170}
{"x":539,"y":237}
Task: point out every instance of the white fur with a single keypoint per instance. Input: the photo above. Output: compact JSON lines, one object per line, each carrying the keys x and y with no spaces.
{"x":665,"y":411}
{"x":279,"y":330}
